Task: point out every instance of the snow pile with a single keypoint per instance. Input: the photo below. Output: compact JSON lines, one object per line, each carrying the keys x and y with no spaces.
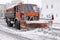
{"x":36,"y":34}
{"x":57,"y":26}
{"x":39,"y":21}
{"x":5,"y":37}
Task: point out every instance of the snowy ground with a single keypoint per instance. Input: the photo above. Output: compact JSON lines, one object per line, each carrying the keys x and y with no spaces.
{"x":8,"y":33}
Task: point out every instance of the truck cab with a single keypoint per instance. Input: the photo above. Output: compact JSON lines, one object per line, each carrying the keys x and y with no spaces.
{"x":24,"y":16}
{"x":28,"y":12}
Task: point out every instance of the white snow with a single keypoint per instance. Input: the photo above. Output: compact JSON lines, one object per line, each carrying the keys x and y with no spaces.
{"x":5,"y":37}
{"x":39,"y":21}
{"x":56,"y":26}
{"x":35,"y":34}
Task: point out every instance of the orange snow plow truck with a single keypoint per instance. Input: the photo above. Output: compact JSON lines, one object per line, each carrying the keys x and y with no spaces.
{"x":25,"y":16}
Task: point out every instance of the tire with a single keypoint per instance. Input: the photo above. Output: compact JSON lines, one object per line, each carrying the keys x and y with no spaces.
{"x":17,"y":24}
{"x":9,"y":24}
{"x":6,"y":19}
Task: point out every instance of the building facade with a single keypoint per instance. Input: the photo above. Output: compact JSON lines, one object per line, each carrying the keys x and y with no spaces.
{"x":2,"y":10}
{"x":51,"y":7}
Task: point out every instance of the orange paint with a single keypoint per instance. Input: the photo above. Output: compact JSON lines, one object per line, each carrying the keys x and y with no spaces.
{"x":22,"y":21}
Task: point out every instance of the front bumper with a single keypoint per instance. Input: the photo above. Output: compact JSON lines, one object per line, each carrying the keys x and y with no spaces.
{"x":38,"y":22}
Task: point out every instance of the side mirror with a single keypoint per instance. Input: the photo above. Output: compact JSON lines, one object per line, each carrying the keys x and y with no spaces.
{"x":38,"y":10}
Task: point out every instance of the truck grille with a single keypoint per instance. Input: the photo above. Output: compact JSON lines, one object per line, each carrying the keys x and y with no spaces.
{"x":31,"y":18}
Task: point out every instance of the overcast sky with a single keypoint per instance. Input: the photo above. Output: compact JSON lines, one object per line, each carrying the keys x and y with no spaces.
{"x":5,"y":1}
{"x":38,"y":2}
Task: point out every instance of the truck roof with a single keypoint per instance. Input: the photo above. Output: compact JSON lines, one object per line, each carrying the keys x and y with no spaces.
{"x":20,"y":4}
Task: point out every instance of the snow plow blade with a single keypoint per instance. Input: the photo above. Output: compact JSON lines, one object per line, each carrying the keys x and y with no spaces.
{"x":40,"y":23}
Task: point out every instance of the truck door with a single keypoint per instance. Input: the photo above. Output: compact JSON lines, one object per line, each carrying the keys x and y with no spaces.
{"x":14,"y":11}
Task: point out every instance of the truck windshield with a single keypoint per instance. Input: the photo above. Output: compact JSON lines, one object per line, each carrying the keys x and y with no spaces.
{"x":29,"y":8}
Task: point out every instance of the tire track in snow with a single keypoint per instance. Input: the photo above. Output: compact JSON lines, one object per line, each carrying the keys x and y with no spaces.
{"x":16,"y":36}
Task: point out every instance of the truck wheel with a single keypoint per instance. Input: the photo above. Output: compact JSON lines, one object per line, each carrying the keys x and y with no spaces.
{"x":9,"y":24}
{"x":6,"y":20}
{"x":17,"y":24}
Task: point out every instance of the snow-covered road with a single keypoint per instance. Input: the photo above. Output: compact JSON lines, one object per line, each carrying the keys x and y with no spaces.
{"x":8,"y":33}
{"x":8,"y":36}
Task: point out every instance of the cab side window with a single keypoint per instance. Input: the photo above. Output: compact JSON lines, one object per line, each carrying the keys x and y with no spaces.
{"x":17,"y":8}
{"x":14,"y":9}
